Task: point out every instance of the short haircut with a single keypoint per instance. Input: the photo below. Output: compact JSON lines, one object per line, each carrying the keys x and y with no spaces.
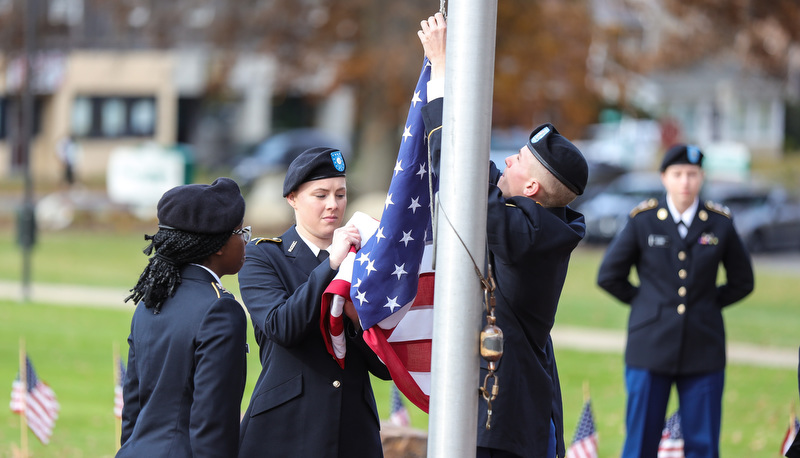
{"x":552,"y":193}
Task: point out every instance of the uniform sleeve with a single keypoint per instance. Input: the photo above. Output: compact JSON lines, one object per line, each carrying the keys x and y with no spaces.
{"x":219,"y":380}
{"x":738,"y":271}
{"x":432,"y":117}
{"x":621,"y":255}
{"x":285,"y":317}
{"x":130,"y":393}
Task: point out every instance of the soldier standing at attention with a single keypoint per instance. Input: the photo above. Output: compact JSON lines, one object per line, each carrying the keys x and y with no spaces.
{"x":676,"y":333}
{"x":186,"y":359}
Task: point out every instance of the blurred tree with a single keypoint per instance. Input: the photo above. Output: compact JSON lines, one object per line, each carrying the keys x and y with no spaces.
{"x":365,"y":44}
{"x":669,"y":34}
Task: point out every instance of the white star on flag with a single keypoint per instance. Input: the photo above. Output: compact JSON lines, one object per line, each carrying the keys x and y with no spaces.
{"x":421,"y":171}
{"x":415,"y":99}
{"x":406,"y":238}
{"x":414,"y":205}
{"x":407,"y":133}
{"x":398,"y":270}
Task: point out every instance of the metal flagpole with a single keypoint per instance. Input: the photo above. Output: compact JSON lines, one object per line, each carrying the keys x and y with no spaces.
{"x":461,"y":216}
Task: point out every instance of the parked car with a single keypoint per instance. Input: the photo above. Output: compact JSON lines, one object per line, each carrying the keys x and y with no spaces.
{"x":772,"y":225}
{"x":278,"y":151}
{"x":607,"y":212}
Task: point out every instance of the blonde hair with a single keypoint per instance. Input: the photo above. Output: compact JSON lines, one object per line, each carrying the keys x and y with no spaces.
{"x":552,"y":192}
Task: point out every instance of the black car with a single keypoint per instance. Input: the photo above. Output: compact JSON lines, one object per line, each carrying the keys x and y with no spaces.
{"x":607,"y":212}
{"x":278,"y":151}
{"x":772,"y":225}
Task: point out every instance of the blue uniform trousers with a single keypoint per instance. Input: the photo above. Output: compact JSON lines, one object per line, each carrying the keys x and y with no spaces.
{"x":700,"y":399}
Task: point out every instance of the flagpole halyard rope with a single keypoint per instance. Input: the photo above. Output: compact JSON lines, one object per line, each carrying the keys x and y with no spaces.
{"x":491,"y":343}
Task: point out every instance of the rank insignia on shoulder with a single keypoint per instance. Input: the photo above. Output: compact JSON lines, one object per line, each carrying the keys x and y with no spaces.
{"x":718,"y":208}
{"x":648,"y":204}
{"x":267,"y":239}
{"x":219,"y":289}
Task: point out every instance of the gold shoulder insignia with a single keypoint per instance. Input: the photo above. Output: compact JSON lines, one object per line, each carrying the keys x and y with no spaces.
{"x":267,"y":239}
{"x":510,"y":204}
{"x":648,"y":204}
{"x":219,"y":289}
{"x":718,"y":208}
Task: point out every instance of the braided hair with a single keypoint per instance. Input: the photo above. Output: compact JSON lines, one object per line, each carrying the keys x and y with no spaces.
{"x":173,"y":249}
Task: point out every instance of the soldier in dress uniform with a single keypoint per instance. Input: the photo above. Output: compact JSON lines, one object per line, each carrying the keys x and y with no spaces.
{"x":531,"y":233}
{"x":186,"y":359}
{"x":676,"y":333}
{"x":304,"y":403}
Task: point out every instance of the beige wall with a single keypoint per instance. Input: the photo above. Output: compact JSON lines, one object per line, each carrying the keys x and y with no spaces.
{"x":98,"y":73}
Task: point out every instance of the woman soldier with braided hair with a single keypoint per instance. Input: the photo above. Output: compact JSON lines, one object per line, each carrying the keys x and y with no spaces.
{"x":186,"y":359}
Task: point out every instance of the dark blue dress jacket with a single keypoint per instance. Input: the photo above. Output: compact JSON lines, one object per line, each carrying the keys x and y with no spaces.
{"x":530,"y":247}
{"x":186,"y":373}
{"x":675,"y":325}
{"x":303,"y":404}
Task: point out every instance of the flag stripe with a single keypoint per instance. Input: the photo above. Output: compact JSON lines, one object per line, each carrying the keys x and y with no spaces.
{"x":38,"y":401}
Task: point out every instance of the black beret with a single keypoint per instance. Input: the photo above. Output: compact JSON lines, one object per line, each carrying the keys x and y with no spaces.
{"x":202,"y":208}
{"x":560,"y":157}
{"x":313,"y":164}
{"x":682,"y":154}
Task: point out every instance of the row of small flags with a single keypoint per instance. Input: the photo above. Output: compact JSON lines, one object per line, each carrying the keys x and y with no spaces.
{"x":34,"y":398}
{"x":584,"y":443}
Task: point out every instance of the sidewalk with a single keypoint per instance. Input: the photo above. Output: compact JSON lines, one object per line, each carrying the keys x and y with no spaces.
{"x":564,"y":337}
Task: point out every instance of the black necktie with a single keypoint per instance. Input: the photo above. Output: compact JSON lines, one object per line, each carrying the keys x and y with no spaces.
{"x":680,"y":224}
{"x":323,"y":255}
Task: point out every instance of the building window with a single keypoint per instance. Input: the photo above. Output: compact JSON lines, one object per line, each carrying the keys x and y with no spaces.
{"x":113,"y":117}
{"x":81,"y":119}
{"x":112,"y":122}
{"x":143,"y":116}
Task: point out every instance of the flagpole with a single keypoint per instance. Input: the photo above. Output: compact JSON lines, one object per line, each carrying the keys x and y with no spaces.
{"x":461,"y":228}
{"x":23,"y":416}
{"x":115,"y":368}
{"x":585,"y":391}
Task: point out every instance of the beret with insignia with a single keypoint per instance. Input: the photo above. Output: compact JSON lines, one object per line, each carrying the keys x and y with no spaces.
{"x":313,"y":164}
{"x":202,"y":208}
{"x":682,"y":154}
{"x":560,"y":157}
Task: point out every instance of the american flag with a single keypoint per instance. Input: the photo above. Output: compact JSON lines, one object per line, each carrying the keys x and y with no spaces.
{"x":584,"y":444}
{"x":399,"y":414}
{"x":120,"y":379}
{"x":671,"y":445}
{"x":392,"y":279}
{"x":37,"y":400}
{"x":791,"y":432}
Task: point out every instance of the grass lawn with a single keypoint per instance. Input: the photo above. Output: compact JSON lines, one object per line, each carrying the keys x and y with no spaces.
{"x":71,"y":348}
